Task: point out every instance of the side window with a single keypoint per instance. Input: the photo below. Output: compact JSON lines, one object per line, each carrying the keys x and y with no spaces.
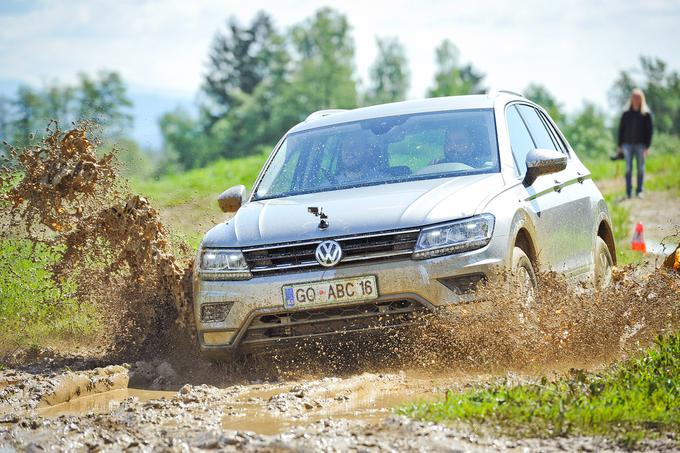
{"x":520,"y":140}
{"x":554,"y":133}
{"x":537,"y":128}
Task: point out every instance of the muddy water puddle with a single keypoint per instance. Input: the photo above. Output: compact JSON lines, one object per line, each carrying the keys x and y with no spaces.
{"x":366,"y":398}
{"x":102,"y":403}
{"x":369,"y":408}
{"x":269,"y":409}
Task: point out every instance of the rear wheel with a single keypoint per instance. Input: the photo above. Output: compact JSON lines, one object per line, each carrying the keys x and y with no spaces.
{"x":525,"y":285}
{"x":603,"y":264}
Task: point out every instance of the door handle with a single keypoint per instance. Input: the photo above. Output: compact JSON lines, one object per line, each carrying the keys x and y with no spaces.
{"x":580,"y":178}
{"x":558,"y":186}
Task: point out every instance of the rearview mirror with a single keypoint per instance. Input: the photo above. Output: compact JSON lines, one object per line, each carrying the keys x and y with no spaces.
{"x":543,"y":162}
{"x":231,"y":199}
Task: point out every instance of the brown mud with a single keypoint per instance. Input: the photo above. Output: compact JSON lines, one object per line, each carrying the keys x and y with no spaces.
{"x":109,"y":242}
{"x":319,"y":396}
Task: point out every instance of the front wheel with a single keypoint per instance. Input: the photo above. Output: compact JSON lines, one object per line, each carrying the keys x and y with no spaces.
{"x":524,"y":283}
{"x":603,"y":265}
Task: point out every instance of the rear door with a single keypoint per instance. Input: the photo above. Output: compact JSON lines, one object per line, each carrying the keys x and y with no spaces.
{"x":566,"y":223}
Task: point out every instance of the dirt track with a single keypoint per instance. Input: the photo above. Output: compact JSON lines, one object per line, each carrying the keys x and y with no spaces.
{"x":331,"y":414}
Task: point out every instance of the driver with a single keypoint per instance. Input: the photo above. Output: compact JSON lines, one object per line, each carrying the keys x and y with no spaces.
{"x":355,"y":160}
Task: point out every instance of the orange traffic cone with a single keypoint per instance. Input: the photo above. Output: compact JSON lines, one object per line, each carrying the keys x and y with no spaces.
{"x":638,"y":242}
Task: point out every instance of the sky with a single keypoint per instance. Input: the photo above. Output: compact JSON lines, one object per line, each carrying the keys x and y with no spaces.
{"x":576,"y":48}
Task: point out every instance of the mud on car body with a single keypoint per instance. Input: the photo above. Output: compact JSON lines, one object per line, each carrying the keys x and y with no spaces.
{"x":365,"y":219}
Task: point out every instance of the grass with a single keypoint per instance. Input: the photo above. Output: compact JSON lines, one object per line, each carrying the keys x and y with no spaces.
{"x":34,"y":309}
{"x":633,"y":400}
{"x":179,"y":188}
{"x":621,"y":222}
{"x":662,"y":174}
{"x":662,"y":171}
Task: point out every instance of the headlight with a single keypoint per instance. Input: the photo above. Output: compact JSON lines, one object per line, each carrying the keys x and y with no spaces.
{"x":454,"y":237}
{"x":217,"y":264}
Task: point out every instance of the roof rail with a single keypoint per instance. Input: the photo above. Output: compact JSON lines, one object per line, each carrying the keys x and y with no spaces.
{"x":322,"y":113}
{"x":514,"y":93}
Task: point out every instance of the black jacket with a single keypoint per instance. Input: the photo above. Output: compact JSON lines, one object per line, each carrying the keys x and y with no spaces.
{"x":635,"y":128}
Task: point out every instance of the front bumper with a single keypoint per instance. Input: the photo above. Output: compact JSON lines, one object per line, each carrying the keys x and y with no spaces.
{"x":407,"y":288}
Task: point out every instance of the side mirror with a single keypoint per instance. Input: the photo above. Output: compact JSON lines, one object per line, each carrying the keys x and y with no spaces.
{"x":231,"y":199}
{"x":543,"y":162}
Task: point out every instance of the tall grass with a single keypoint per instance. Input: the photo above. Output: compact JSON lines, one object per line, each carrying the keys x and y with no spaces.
{"x":35,"y":309}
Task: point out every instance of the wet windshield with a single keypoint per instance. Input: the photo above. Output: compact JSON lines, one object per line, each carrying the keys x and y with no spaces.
{"x":383,"y":150}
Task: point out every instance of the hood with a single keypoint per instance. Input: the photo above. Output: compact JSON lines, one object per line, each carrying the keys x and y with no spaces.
{"x":355,"y":211}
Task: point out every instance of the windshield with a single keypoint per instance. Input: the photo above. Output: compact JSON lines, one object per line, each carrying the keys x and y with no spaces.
{"x":382,"y":150}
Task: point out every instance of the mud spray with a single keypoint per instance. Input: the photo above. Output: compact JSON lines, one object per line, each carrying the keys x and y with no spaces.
{"x":61,"y":194}
{"x":109,"y":242}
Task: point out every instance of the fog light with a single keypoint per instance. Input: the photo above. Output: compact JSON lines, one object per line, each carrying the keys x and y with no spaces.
{"x":463,"y":284}
{"x":217,"y":338}
{"x":215,"y":311}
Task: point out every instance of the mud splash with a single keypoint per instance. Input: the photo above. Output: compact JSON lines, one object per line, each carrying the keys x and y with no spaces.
{"x":566,"y":330}
{"x":107,"y":241}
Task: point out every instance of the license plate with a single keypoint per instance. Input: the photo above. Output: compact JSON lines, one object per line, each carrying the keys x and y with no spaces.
{"x":331,"y":291}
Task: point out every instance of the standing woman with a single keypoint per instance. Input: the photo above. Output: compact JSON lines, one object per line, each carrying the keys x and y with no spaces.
{"x":635,"y":138}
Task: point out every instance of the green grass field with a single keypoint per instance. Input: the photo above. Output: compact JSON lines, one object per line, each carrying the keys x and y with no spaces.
{"x":34,"y":309}
{"x":633,"y":400}
{"x":178,"y":188}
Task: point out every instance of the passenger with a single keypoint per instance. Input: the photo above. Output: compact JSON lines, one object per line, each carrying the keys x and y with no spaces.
{"x":460,"y":147}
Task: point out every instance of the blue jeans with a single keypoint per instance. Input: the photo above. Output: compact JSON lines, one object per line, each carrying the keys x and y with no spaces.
{"x":637,"y":151}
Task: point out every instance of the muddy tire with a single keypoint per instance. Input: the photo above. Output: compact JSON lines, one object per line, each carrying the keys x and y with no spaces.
{"x":604,"y":264}
{"x":524,"y":282}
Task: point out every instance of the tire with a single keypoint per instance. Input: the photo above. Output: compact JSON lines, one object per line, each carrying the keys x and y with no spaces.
{"x":524,"y":282}
{"x":602,"y":272}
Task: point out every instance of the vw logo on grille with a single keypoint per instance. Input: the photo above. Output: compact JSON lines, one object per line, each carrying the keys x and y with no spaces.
{"x":328,"y":253}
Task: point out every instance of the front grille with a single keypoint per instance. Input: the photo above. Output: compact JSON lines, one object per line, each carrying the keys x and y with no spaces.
{"x":278,"y":258}
{"x":332,"y":320}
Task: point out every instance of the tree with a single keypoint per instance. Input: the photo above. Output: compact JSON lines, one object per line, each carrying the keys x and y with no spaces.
{"x":104,"y":100}
{"x":31,"y":116}
{"x":239,"y":61}
{"x":661,"y":88}
{"x":4,"y":118}
{"x":541,"y":96}
{"x":451,"y":77}
{"x":389,"y":74}
{"x":588,"y":133}
{"x":325,"y":55}
{"x":248,"y":69}
{"x":183,"y":139}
